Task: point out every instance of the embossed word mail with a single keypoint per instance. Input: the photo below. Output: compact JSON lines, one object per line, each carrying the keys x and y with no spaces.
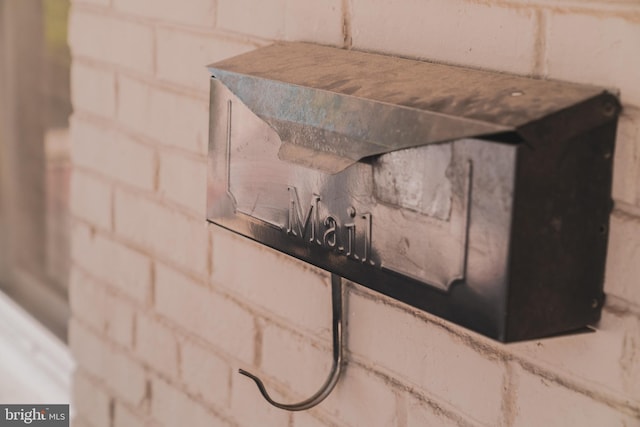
{"x":328,"y":231}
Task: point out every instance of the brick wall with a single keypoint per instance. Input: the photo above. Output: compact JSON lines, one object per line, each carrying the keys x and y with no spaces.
{"x":165,"y":309}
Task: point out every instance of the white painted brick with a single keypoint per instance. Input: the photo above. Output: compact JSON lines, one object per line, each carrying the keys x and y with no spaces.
{"x":182,"y":56}
{"x":263,"y":19}
{"x":630,"y":361}
{"x":192,"y":13}
{"x":124,"y":269}
{"x":623,"y":257}
{"x":110,"y":39}
{"x":91,"y":400}
{"x":427,"y":355}
{"x":282,"y":285}
{"x":112,"y":154}
{"x":91,"y":199}
{"x":124,"y":376}
{"x":91,"y":303}
{"x":626,"y":172}
{"x":172,"y":407}
{"x":590,"y":49}
{"x":169,"y":118}
{"x":204,"y":373}
{"x":594,"y":359}
{"x":313,"y":21}
{"x":204,"y":313}
{"x":80,"y":421}
{"x":123,"y":417}
{"x":156,"y":344}
{"x":300,"y":20}
{"x":595,"y":49}
{"x":460,"y":32}
{"x":121,"y":375}
{"x":361,"y":399}
{"x":162,"y":230}
{"x":306,"y":419}
{"x":184,"y":181}
{"x":295,"y":362}
{"x":119,"y":320}
{"x":540,"y":402}
{"x":93,"y":89}
{"x":86,"y":300}
{"x":87,"y":348}
{"x":420,"y":413}
{"x":249,"y":407}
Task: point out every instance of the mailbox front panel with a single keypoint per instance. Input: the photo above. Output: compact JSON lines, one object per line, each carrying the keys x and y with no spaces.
{"x":426,"y":221}
{"x":500,"y":232}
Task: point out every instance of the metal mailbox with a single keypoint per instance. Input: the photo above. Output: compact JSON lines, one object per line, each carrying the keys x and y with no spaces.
{"x":481,"y":197}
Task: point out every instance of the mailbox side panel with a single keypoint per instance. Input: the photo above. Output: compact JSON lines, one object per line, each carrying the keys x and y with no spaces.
{"x":559,"y":234}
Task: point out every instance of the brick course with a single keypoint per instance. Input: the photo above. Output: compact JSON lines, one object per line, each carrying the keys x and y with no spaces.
{"x":182,"y":55}
{"x":92,"y":400}
{"x":163,"y":115}
{"x":112,"y":40}
{"x":183,"y":180}
{"x":93,"y":89}
{"x":562,"y":407}
{"x":113,"y":154}
{"x":206,"y":314}
{"x":476,"y":34}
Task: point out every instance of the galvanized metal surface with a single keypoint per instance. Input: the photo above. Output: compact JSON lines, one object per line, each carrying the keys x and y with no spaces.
{"x":364,"y":165}
{"x":332,"y":107}
{"x":407,"y":212}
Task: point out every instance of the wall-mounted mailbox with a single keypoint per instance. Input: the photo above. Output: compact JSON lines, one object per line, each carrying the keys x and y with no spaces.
{"x":481,"y":197}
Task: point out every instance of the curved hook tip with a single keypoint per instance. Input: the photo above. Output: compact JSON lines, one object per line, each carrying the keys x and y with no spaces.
{"x":249,"y":374}
{"x":258,"y":382}
{"x":327,"y":387}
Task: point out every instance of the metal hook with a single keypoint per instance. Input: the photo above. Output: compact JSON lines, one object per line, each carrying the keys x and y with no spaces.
{"x":336,"y":369}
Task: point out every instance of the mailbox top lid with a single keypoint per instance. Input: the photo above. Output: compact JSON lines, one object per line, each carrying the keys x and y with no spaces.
{"x":399,"y":102}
